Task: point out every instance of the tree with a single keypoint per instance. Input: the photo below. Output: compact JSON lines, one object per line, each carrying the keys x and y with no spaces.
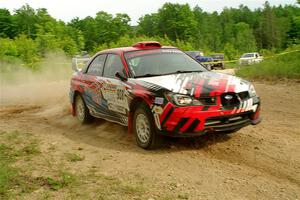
{"x":294,"y":32}
{"x":148,"y":25}
{"x":6,"y":24}
{"x":25,"y":20}
{"x":176,"y":21}
{"x":244,"y":38}
{"x":269,"y":30}
{"x":104,"y":28}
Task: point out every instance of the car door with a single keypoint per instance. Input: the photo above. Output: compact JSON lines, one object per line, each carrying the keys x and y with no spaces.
{"x":92,"y":80}
{"x":115,"y":91}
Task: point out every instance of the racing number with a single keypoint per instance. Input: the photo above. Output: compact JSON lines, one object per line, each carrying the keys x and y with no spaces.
{"x":120,"y":94}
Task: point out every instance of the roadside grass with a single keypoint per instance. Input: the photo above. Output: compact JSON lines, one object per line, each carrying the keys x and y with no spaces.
{"x":231,"y":65}
{"x":12,"y":178}
{"x":19,"y":153}
{"x":17,"y":181}
{"x":273,"y":69}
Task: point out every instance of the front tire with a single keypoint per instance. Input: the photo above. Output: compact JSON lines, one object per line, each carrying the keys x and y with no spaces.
{"x":82,"y":112}
{"x":144,"y":128}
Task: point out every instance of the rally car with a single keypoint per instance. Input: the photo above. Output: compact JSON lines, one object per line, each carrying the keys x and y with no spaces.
{"x":161,"y":91}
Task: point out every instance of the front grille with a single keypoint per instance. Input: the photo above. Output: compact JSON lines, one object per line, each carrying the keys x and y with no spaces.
{"x":229,"y":99}
{"x":221,"y":122}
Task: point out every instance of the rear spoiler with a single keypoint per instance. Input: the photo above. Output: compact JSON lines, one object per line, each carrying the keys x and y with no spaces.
{"x":79,"y":63}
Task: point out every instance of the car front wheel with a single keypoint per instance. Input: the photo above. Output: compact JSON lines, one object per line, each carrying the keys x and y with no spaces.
{"x":144,"y":128}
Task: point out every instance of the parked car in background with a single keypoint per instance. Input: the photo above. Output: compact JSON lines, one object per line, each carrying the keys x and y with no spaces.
{"x":161,"y":91}
{"x":250,"y":58}
{"x":199,"y":56}
{"x":218,"y":60}
{"x":194,"y":54}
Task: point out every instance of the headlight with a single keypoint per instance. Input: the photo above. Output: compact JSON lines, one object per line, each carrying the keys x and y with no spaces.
{"x":180,"y":99}
{"x":252,"y":91}
{"x":186,"y":100}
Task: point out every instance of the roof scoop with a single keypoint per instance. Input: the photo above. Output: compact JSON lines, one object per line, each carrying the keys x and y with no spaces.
{"x":147,"y":44}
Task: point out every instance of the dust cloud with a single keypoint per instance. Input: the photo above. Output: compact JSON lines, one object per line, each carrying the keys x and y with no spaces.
{"x":49,"y":84}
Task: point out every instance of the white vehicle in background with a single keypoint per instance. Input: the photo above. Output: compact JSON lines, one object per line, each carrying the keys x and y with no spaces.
{"x":250,"y":58}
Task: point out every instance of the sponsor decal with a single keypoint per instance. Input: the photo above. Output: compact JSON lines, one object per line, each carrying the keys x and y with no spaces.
{"x":116,"y":108}
{"x":116,"y":97}
{"x":159,"y":100}
{"x":228,"y":97}
{"x":157,"y":110}
{"x":157,"y":122}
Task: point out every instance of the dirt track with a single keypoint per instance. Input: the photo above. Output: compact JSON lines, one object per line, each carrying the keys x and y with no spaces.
{"x":261,"y":162}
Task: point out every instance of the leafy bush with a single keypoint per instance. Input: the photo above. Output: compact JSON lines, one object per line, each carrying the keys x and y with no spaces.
{"x":27,"y":49}
{"x":7,"y":47}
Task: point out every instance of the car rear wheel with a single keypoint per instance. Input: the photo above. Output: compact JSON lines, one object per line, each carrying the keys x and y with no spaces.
{"x":81,"y":110}
{"x":144,"y":128}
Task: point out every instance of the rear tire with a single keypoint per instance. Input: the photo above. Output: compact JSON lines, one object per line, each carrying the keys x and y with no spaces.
{"x":144,"y":129}
{"x":82,"y":112}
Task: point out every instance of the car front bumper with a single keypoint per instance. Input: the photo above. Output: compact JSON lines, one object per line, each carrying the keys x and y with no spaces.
{"x":194,"y":120}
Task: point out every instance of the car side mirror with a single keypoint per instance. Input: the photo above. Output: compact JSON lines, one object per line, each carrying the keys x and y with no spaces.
{"x":120,"y":76}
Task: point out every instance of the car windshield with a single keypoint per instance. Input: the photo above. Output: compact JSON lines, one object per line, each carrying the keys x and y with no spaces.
{"x":155,"y":62}
{"x":248,"y":55}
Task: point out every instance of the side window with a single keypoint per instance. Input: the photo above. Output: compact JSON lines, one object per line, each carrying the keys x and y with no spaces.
{"x":112,"y":66}
{"x":96,"y":67}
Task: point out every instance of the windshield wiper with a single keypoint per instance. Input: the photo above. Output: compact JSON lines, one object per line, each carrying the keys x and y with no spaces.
{"x":176,"y":72}
{"x":183,"y":71}
{"x":148,"y":75}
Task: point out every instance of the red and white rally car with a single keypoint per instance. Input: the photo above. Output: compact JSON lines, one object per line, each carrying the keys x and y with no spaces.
{"x":159,"y":90}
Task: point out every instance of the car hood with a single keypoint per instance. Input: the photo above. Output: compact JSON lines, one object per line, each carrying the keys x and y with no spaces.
{"x":249,"y":58}
{"x":196,"y":83}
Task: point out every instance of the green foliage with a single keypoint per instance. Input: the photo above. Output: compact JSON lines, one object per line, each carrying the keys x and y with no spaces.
{"x":148,"y":25}
{"x":129,"y":41}
{"x":104,"y":28}
{"x":12,"y":148}
{"x":244,"y":38}
{"x":284,"y":66}
{"x":25,"y":19}
{"x":6,"y":23}
{"x":230,"y":52}
{"x":7,"y":47}
{"x":26,"y":49}
{"x":29,"y":34}
{"x":22,"y":47}
{"x":176,"y":21}
{"x":7,"y":173}
{"x":65,"y":179}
